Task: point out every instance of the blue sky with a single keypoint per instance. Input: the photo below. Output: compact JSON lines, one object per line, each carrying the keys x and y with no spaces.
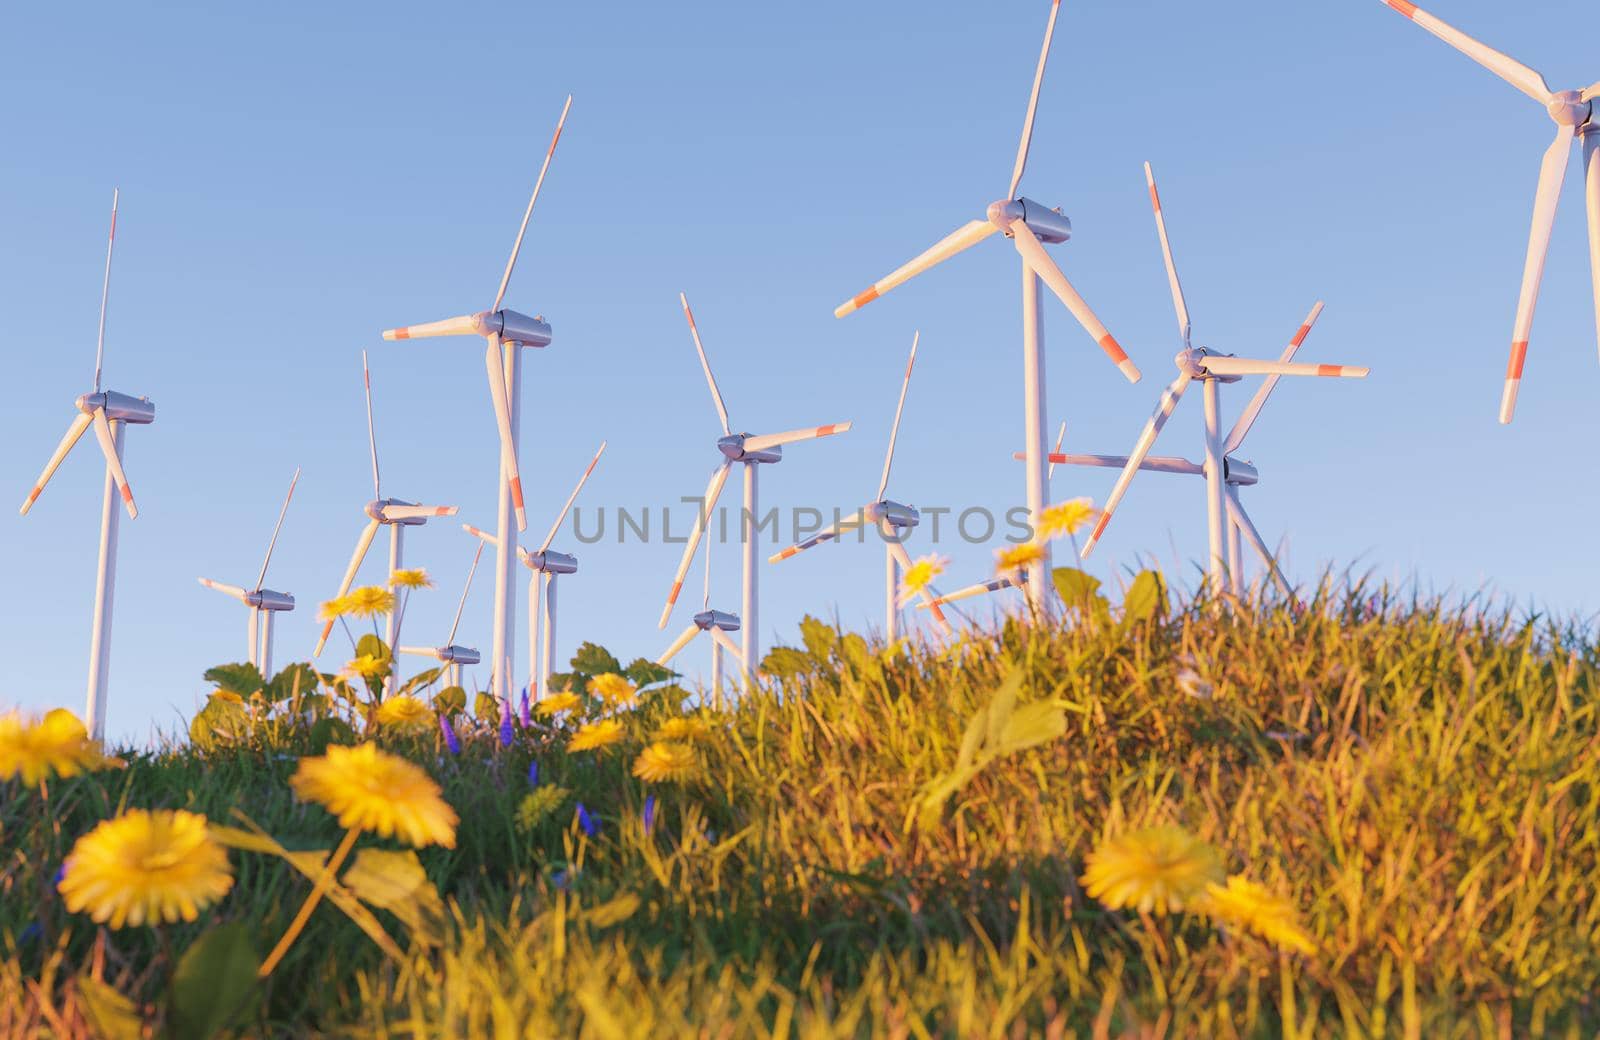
{"x":296,"y":178}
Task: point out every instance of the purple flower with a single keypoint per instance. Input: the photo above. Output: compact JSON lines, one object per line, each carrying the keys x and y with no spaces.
{"x":505,"y":723}
{"x":527,"y":710}
{"x":590,"y":825}
{"x":451,"y":741}
{"x":533,"y":773}
{"x":559,"y":879}
{"x":649,"y":814}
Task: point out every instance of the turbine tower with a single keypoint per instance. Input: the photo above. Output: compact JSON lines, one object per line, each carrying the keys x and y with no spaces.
{"x":261,"y":600}
{"x":450,"y":656}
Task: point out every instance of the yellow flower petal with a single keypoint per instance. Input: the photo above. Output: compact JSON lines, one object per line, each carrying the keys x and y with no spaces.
{"x":596,"y":735}
{"x":667,"y":762}
{"x":377,"y":792}
{"x":145,"y":868}
{"x":1157,"y":870}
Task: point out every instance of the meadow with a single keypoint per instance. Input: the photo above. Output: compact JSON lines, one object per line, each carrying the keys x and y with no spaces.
{"x":890,"y":841}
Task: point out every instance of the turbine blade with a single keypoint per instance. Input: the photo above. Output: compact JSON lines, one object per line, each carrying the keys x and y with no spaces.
{"x":982,"y":588}
{"x":1034,"y":255}
{"x":1509,"y":69}
{"x":505,"y":279}
{"x":464,"y":590}
{"x":894,"y":431}
{"x":363,"y":543}
{"x":398,"y":512}
{"x":1237,"y":366}
{"x":276,"y":528}
{"x":1033,"y":103}
{"x":1242,"y":520}
{"x":482,"y":534}
{"x":231,"y":590}
{"x":723,"y":640}
{"x":806,"y":433}
{"x":1552,"y":171}
{"x":1247,"y":418}
{"x":1178,"y":304}
{"x":75,"y":430}
{"x":1160,"y":463}
{"x":1061,"y":435}
{"x":465,"y":325}
{"x":108,"y":447}
{"x":713,"y":490}
{"x":105,"y":292}
{"x":849,"y":523}
{"x":711,"y":380}
{"x":1590,"y":92}
{"x":500,"y":396}
{"x":963,"y":237}
{"x":555,"y":528}
{"x":684,"y":639}
{"x":1147,"y":438}
{"x":372,"y":436}
{"x":1591,"y":196}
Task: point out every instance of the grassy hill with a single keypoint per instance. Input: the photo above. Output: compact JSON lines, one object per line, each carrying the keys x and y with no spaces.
{"x":891,"y":841}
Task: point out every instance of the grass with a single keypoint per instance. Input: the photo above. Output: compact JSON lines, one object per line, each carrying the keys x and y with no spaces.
{"x":1420,"y":780}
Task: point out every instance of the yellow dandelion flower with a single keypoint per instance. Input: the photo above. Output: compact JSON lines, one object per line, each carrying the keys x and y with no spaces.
{"x":334,"y":609}
{"x":1065,"y":518}
{"x":557,"y":703}
{"x":57,"y":744}
{"x":416,"y":578}
{"x":226,"y":695}
{"x":1017,"y":558}
{"x":921,"y":574}
{"x":404,"y":711}
{"x":367,"y":667}
{"x":374,"y":791}
{"x":145,"y":867}
{"x":1245,"y":904}
{"x":667,"y":762}
{"x":1158,"y":869}
{"x":614,"y":689}
{"x":596,"y":735}
{"x":684,"y":731}
{"x":368,"y":601}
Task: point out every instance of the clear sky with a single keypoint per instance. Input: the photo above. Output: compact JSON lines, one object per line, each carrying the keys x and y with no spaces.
{"x":297,"y":177}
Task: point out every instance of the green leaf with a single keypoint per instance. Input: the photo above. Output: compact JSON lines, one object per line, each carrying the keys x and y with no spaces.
{"x":420,"y":679}
{"x":485,"y":707}
{"x":1076,"y":588}
{"x":643,"y":672}
{"x":282,"y":686}
{"x":1001,"y":706}
{"x":331,"y":730}
{"x":370,"y":645}
{"x":221,"y":721}
{"x":111,"y":1015}
{"x":818,"y":637}
{"x":593,"y":659}
{"x":564,"y":682}
{"x":242,"y":679}
{"x":785,"y":662}
{"x":214,"y":982}
{"x":451,"y":701}
{"x":1147,"y":597}
{"x":396,"y":882}
{"x":1031,"y":725}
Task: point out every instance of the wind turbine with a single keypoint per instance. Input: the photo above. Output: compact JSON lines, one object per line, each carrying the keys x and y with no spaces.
{"x":546,"y":565}
{"x":717,"y":623}
{"x":894,"y":522}
{"x":108,"y":412}
{"x":1574,"y":116}
{"x":504,"y":331}
{"x":1029,"y":225}
{"x":752,"y":451}
{"x":451,"y":656}
{"x":1212,"y":369}
{"x":395,"y":514}
{"x":262,"y":600}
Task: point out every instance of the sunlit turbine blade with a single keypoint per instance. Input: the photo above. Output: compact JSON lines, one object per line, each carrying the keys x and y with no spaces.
{"x":481,"y":533}
{"x":363,"y":543}
{"x":500,"y":397}
{"x":271,"y":544}
{"x":1237,"y":366}
{"x":898,"y":550}
{"x":505,"y":279}
{"x":980,"y":589}
{"x":1061,"y":436}
{"x":422,"y":651}
{"x":805,"y":433}
{"x":1033,"y":102}
{"x":464,"y":590}
{"x":1509,"y":69}
{"x":555,"y":528}
{"x":1552,"y":171}
{"x":702,"y":518}
{"x":705,"y":364}
{"x":372,"y":436}
{"x":105,"y":292}
{"x":1591,"y":92}
{"x":1247,"y":418}
{"x":231,"y":590}
{"x":1242,"y":519}
{"x":75,"y":429}
{"x":1178,"y":303}
{"x":849,"y":523}
{"x":723,"y":640}
{"x":108,"y":448}
{"x":894,"y":431}
{"x":1147,"y":437}
{"x":1591,"y":196}
{"x":1160,"y":463}
{"x":399,"y":512}
{"x":465,"y":325}
{"x":963,"y":237}
{"x":1034,"y":255}
{"x":684,"y":639}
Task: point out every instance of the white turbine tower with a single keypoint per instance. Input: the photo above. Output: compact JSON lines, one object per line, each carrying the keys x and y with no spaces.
{"x":1574,"y":116}
{"x":262,"y":600}
{"x":894,"y":522}
{"x":716,"y":624}
{"x":1030,"y":225}
{"x":108,"y":412}
{"x":451,"y":656}
{"x":1212,"y":369}
{"x":751,"y":451}
{"x":505,"y":331}
{"x":395,"y":514}
{"x":546,"y":565}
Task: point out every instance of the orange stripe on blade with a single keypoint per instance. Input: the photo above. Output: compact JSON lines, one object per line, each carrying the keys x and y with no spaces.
{"x":1109,"y":344}
{"x":1329,"y":370}
{"x":1301,"y":334}
{"x":1404,"y":7}
{"x":1099,"y":527}
{"x":402,"y":333}
{"x":1155,"y":199}
{"x":831,"y":428}
{"x":516,"y":491}
{"x":863,"y":298}
{"x":33,"y":496}
{"x":127,"y":493}
{"x":672,"y":597}
{"x":1519,"y":354}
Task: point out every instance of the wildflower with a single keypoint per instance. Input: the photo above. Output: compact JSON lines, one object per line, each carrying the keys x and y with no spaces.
{"x":1064,"y":518}
{"x":367,"y":666}
{"x":1017,"y":558}
{"x":921,"y":574}
{"x":368,"y":601}
{"x":506,"y":732}
{"x":596,"y":735}
{"x":451,"y":741}
{"x":226,"y":695}
{"x":403,"y":711}
{"x":371,"y":790}
{"x":1157,"y":869}
{"x":533,"y":773}
{"x":416,"y":578}
{"x":144,"y":867}
{"x":590,"y":825}
{"x":648,"y":816}
{"x":333,"y":609}
{"x":527,"y":712}
{"x":56,"y":744}
{"x":615,"y":690}
{"x":689,"y":730}
{"x":1245,"y":904}
{"x":664,"y":762}
{"x":557,"y":703}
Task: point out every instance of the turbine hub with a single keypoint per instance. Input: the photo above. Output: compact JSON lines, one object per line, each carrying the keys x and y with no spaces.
{"x":1568,"y":108}
{"x":1050,"y":225}
{"x":732,"y":447}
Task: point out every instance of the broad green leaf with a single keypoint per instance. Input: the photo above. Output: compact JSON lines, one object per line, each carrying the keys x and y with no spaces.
{"x":422,"y":678}
{"x":593,"y":659}
{"x":214,"y":982}
{"x":282,"y":686}
{"x":1076,"y":588}
{"x":644,"y":672}
{"x":1147,"y":597}
{"x":1030,"y":725}
{"x":221,"y":721}
{"x":485,"y":707}
{"x":370,"y":645}
{"x":396,"y":882}
{"x":242,"y":679}
{"x":331,"y":730}
{"x":451,"y":701}
{"x":111,"y":1015}
{"x":784,"y":662}
{"x":819,"y":638}
{"x":854,"y":649}
{"x":1001,"y":707}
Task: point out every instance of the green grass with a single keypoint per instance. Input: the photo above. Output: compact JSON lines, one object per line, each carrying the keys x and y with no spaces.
{"x":1420,"y":780}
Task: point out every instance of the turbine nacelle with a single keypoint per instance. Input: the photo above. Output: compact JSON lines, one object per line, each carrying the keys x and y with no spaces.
{"x":1239,"y":473}
{"x":407,"y":514}
{"x":119,"y":407}
{"x":549,"y":561}
{"x":896,"y":515}
{"x":266,"y":599}
{"x":1049,"y":224}
{"x":457,"y":655}
{"x":509,"y":325}
{"x":1568,"y":108}
{"x":709,"y":619}
{"x":732,"y":446}
{"x":1192,"y":361}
